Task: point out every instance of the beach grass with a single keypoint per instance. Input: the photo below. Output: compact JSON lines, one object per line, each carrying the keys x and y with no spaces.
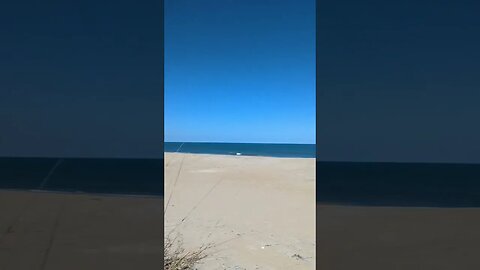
{"x":210,"y":198}
{"x":177,"y":258}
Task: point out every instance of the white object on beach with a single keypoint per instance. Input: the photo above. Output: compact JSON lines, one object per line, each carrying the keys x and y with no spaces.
{"x":238,"y":154}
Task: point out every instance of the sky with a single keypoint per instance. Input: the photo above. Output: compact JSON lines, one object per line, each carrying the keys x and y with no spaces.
{"x":240,"y":71}
{"x":81,"y":79}
{"x":398,"y":81}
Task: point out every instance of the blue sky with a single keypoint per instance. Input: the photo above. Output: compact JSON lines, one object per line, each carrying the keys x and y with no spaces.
{"x":398,"y":81}
{"x":81,"y":78}
{"x":240,"y":71}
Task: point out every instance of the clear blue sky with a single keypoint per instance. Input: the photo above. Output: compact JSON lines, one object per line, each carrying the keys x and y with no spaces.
{"x":81,"y":78}
{"x":399,"y":81}
{"x":240,"y":71}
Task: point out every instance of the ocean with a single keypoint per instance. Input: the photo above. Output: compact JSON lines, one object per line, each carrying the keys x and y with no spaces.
{"x":89,"y":175}
{"x":245,"y":149}
{"x":398,"y":184}
{"x":344,"y":183}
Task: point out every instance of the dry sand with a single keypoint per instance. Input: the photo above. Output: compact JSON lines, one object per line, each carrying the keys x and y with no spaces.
{"x":259,"y":211}
{"x":397,"y":238}
{"x":51,"y":231}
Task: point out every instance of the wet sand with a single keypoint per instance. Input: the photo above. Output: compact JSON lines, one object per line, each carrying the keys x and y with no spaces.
{"x":54,"y":231}
{"x":379,"y":238}
{"x":258,"y":212}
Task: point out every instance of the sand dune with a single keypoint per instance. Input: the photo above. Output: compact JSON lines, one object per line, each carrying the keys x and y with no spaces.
{"x":259,"y":212}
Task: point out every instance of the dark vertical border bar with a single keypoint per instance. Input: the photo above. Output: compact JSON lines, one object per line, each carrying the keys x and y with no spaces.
{"x":162,"y":120}
{"x":317,"y":119}
{"x":162,"y":74}
{"x":26,"y":171}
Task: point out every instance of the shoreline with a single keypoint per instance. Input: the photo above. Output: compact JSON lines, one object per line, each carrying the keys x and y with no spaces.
{"x":242,"y":155}
{"x":360,"y":205}
{"x":99,"y":194}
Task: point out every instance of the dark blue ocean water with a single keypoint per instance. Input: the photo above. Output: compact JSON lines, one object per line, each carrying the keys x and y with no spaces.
{"x":349,"y":183}
{"x":91,"y":175}
{"x":398,"y":184}
{"x":246,"y":149}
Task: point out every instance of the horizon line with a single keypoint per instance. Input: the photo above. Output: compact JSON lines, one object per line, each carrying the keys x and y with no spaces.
{"x":238,"y":142}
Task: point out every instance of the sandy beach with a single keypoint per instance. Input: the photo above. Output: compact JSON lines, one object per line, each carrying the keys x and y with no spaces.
{"x":58,"y":231}
{"x":379,"y":238}
{"x":258,"y":212}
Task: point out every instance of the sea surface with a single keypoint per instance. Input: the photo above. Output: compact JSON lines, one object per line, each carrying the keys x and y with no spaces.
{"x":398,"y":184}
{"x":245,"y":149}
{"x":343,"y":183}
{"x":89,"y":175}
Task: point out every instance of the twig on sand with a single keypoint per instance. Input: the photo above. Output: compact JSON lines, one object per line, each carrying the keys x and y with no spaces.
{"x":197,"y":204}
{"x":174,"y":185}
{"x":176,"y":258}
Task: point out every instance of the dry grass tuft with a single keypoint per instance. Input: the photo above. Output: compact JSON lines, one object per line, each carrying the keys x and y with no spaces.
{"x":177,"y":258}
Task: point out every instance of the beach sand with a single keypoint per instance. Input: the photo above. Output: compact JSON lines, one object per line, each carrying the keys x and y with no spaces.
{"x":59,"y":231}
{"x":258,"y":212}
{"x":380,"y":238}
